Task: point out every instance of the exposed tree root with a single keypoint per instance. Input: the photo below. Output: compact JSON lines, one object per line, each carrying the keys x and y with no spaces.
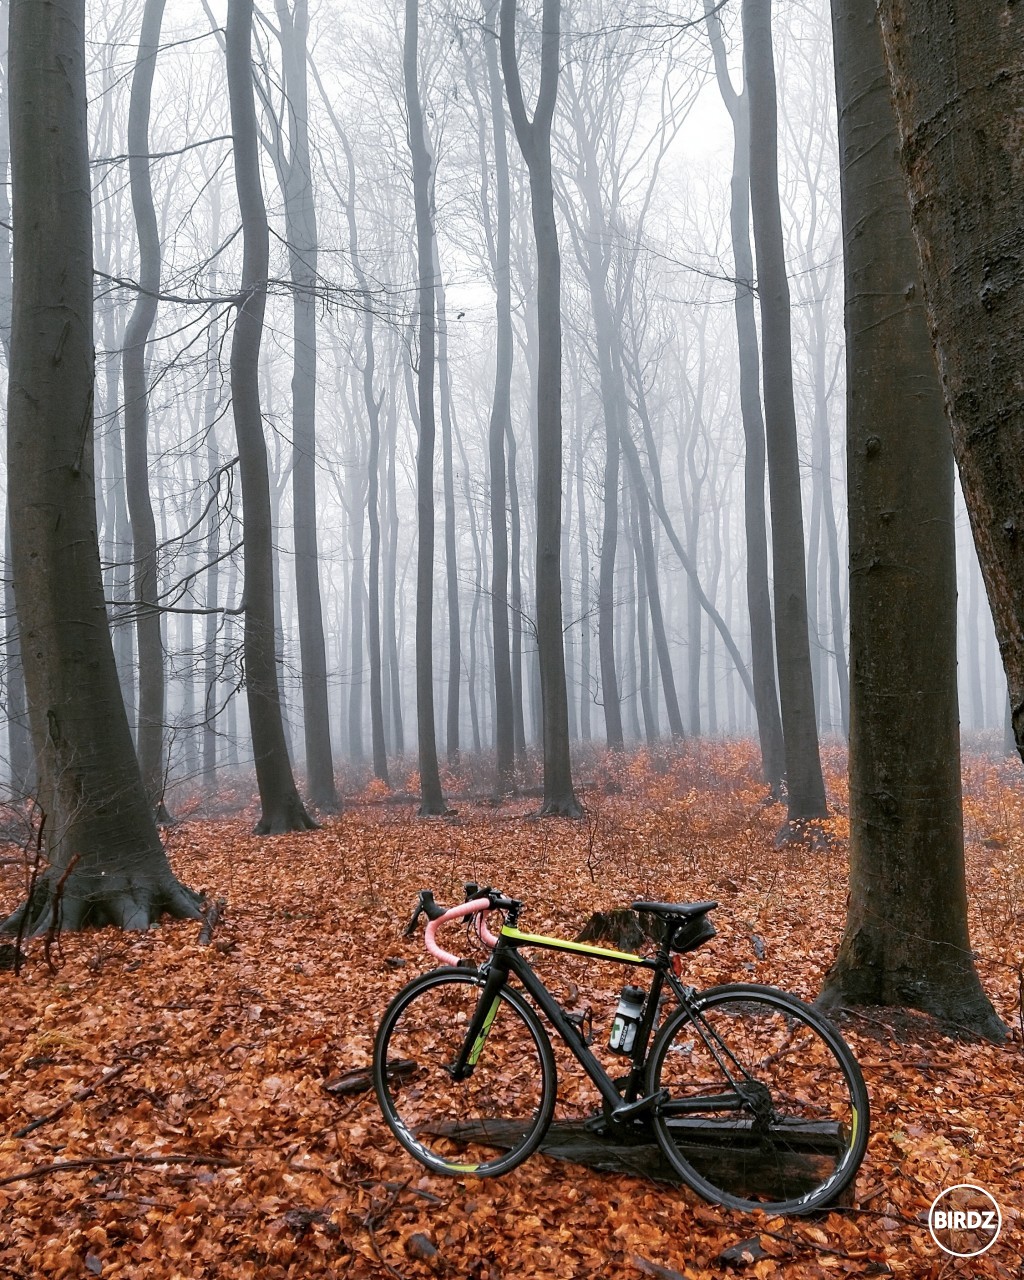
{"x":121,"y":900}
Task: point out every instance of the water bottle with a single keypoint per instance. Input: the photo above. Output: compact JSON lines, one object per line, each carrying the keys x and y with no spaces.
{"x":626,"y":1020}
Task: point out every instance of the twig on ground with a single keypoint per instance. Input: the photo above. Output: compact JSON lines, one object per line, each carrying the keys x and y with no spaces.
{"x":95,"y":1162}
{"x":79,"y":1095}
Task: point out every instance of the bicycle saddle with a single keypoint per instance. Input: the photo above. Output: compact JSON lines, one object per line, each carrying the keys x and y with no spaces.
{"x":678,"y":910}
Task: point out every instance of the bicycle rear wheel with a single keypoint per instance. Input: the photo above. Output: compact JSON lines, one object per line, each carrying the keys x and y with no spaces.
{"x":767,"y":1106}
{"x":487,"y":1123}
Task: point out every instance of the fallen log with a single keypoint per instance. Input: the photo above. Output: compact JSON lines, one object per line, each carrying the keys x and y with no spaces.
{"x":725,"y":1152}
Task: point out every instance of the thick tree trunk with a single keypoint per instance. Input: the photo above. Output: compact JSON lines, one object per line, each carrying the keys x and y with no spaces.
{"x":18,"y":737}
{"x":804,"y":782}
{"x":431,"y":797}
{"x":959,"y":94}
{"x":534,"y":139}
{"x":301,"y":230}
{"x":759,"y":606}
{"x":100,"y":837}
{"x":148,"y":619}
{"x":906,"y":939}
{"x":282,"y":810}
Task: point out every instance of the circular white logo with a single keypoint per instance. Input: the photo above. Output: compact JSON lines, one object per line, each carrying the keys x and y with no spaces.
{"x":965,"y":1220}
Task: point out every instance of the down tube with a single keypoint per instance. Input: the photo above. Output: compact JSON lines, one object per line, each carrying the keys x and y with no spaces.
{"x":553,"y":1011}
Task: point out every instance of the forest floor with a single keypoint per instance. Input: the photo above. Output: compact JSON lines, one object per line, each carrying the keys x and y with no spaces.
{"x":187,"y":1130}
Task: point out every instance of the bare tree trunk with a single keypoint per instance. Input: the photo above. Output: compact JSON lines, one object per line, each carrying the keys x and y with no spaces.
{"x":106,"y":861}
{"x":515,"y":552}
{"x":391,"y":588}
{"x":301,"y":230}
{"x":282,"y":810}
{"x":431,"y":797}
{"x":500,"y":421}
{"x":804,"y":783}
{"x":959,"y":94}
{"x":148,"y":619}
{"x":906,"y":940}
{"x":20,"y":761}
{"x":451,"y":562}
{"x":534,"y":139}
{"x":759,"y":607}
{"x":653,"y":591}
{"x":581,"y":522}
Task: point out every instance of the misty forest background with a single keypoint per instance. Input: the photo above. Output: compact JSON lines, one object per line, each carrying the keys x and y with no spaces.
{"x":642,"y":154}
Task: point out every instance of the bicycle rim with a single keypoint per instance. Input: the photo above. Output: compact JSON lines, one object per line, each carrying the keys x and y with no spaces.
{"x":489,"y":1122}
{"x":795,"y":1139}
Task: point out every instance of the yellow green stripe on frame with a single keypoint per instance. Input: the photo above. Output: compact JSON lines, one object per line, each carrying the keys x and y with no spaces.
{"x":560,"y":944}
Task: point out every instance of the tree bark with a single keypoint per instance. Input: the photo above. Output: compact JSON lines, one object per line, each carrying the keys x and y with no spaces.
{"x":373,"y":407}
{"x":500,"y":420}
{"x":451,"y":561}
{"x":148,"y":619}
{"x":432,"y":800}
{"x":282,"y":810}
{"x":20,"y":750}
{"x":759,"y":606}
{"x":106,"y":861}
{"x":906,"y":940}
{"x":804,"y":783}
{"x":534,"y":139}
{"x":301,"y":230}
{"x":959,"y":95}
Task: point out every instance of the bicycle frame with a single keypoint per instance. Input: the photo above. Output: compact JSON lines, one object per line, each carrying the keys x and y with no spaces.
{"x":506,"y":959}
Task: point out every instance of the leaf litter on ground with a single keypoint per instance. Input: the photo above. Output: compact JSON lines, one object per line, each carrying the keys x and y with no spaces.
{"x":167,"y":1107}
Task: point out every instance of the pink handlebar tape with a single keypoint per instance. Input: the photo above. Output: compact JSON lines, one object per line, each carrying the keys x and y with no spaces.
{"x":477,"y":907}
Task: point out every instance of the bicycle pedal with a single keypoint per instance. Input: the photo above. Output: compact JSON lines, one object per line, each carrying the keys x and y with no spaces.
{"x":629,"y":1110}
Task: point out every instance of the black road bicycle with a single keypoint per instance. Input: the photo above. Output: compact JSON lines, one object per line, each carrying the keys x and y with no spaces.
{"x":754,"y":1097}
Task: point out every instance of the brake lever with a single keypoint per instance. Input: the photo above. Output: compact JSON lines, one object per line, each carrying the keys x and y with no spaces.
{"x":425,"y":906}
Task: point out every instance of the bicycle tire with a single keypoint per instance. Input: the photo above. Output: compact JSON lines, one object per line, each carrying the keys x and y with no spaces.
{"x":804,"y":1147}
{"x":454,"y":1127}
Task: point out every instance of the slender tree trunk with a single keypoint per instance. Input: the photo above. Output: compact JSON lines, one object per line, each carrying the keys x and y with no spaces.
{"x":759,"y":608}
{"x":301,"y":230}
{"x":804,"y":782}
{"x":391,"y":588}
{"x":106,"y":861}
{"x":515,"y":545}
{"x":431,"y":798}
{"x":581,"y":522}
{"x":906,"y":940}
{"x":657,"y":496}
{"x":535,"y":142}
{"x":653,"y":591}
{"x":500,"y":422}
{"x":451,"y":562}
{"x":282,"y":810}
{"x":148,"y":619}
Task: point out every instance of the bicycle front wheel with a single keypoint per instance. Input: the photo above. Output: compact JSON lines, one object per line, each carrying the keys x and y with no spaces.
{"x":767,"y":1106}
{"x":488,"y":1122}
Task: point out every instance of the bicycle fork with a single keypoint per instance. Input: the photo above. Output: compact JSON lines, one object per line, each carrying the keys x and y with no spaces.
{"x":480,"y":1024}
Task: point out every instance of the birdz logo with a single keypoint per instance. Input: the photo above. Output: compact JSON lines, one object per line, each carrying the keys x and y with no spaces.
{"x":964,"y":1220}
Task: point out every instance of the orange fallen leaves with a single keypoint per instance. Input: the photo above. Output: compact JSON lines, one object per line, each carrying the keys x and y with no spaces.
{"x":217,"y":1151}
